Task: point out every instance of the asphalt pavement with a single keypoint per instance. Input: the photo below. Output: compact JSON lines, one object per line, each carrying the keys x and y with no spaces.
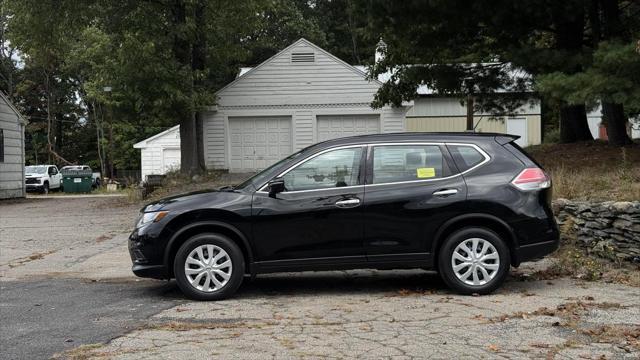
{"x":43,"y":317}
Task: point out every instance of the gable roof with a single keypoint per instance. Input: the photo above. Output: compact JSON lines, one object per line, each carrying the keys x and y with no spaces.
{"x":13,"y":107}
{"x":142,"y":144}
{"x":244,"y":71}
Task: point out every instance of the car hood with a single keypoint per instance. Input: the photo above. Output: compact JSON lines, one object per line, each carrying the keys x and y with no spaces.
{"x":217,"y":199}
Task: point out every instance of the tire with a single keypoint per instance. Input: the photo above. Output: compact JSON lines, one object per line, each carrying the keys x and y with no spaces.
{"x":463,"y":281}
{"x":220,"y":246}
{"x":45,"y":188}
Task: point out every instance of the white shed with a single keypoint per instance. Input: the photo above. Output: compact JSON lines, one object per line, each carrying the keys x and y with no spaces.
{"x":12,"y":126}
{"x":160,"y":153}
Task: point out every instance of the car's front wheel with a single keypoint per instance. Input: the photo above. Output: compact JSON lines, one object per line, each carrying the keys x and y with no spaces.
{"x":209,"y":267}
{"x":474,"y":260}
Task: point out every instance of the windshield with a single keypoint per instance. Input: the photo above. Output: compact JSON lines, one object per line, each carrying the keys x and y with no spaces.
{"x":265,"y":174}
{"x":39,"y":169}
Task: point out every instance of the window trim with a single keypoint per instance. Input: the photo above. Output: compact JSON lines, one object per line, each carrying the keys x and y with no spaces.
{"x":368,"y":163}
{"x":262,"y":188}
{"x":486,"y":156}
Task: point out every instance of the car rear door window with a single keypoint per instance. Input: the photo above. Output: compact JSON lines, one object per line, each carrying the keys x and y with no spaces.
{"x":398,"y":163}
{"x":332,"y":169}
{"x":465,"y":156}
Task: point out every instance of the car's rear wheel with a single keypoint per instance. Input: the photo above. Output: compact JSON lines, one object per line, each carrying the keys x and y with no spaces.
{"x":209,"y":267}
{"x":474,"y":260}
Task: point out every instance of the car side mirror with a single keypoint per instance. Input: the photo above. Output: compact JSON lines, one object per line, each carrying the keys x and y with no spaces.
{"x":276,"y":186}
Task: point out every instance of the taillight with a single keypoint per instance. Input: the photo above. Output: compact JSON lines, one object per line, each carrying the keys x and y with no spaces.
{"x":531,"y":179}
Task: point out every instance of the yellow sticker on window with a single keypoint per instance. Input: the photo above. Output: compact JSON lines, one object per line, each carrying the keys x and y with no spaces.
{"x":426,"y":172}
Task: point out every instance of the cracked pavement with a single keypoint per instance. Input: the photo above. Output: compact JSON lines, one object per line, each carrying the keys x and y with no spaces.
{"x":76,"y":248}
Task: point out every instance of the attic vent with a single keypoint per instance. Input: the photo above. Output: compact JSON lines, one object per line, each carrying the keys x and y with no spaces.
{"x":302,"y":57}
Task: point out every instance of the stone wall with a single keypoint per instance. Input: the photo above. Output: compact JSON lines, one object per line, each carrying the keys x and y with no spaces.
{"x":610,"y":228}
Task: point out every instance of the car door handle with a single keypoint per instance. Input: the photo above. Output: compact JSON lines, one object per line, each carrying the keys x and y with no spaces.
{"x":347,"y":203}
{"x":445,"y":192}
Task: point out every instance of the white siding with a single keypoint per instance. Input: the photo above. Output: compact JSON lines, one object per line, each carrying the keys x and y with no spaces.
{"x":278,"y":81}
{"x":439,"y":107}
{"x":153,"y":152}
{"x":299,"y":91}
{"x":12,"y":168}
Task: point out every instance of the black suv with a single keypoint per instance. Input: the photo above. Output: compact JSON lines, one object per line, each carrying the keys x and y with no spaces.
{"x":466,"y":205}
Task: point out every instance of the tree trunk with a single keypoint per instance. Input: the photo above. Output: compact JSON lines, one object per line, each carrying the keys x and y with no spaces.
{"x":569,"y":37}
{"x":616,"y":124}
{"x":198,"y":64}
{"x":613,"y":113}
{"x":188,"y":49}
{"x":200,"y":140}
{"x":470,"y":102}
{"x":573,"y":124}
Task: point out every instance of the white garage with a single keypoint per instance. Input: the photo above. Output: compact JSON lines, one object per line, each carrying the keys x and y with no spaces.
{"x":257,"y":142}
{"x":300,"y":96}
{"x":335,"y":126}
{"x":160,"y":153}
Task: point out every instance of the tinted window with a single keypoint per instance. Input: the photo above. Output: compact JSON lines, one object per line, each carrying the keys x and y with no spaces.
{"x":465,"y":157}
{"x":335,"y":168}
{"x":394,"y":163}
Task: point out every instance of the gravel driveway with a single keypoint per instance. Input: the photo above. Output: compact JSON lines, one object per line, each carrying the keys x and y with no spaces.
{"x":70,"y":255}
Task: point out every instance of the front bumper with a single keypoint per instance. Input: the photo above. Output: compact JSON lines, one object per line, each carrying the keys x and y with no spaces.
{"x":150,"y":271}
{"x":146,"y":250}
{"x":34,"y":187}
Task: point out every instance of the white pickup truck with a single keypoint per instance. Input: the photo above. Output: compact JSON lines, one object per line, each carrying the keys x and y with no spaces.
{"x":42,"y":178}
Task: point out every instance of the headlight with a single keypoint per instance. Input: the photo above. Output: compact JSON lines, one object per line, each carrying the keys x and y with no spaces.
{"x":149,"y":217}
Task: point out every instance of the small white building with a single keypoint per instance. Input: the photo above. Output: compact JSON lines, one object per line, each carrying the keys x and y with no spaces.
{"x":12,"y":126}
{"x":160,"y":153}
{"x":594,"y":118}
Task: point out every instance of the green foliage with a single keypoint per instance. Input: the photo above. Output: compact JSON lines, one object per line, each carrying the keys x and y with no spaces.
{"x":614,"y":76}
{"x":552,"y":136}
{"x":134,"y":47}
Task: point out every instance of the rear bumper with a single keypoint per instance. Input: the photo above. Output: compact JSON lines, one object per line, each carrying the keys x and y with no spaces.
{"x":536,"y":251}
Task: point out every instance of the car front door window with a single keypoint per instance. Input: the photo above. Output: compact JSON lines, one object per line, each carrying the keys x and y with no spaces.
{"x":332,"y":169}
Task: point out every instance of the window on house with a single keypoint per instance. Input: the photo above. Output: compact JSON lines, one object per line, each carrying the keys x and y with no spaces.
{"x":1,"y":145}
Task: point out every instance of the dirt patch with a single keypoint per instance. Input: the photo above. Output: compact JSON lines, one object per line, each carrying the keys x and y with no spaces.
{"x":105,"y":237}
{"x":571,"y":315}
{"x":32,"y":257}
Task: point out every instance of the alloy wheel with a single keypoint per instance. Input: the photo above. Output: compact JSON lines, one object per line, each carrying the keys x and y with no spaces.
{"x":208,"y":268}
{"x":475,"y":261}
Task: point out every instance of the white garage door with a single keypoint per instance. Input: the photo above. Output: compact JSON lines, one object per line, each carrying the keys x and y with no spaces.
{"x":335,"y":126}
{"x":257,"y":142}
{"x":518,"y":126}
{"x":170,"y":159}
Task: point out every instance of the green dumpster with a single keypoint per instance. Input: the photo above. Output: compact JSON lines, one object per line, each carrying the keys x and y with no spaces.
{"x":76,"y":181}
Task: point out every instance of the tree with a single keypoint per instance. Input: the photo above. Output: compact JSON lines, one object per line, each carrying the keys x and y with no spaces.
{"x":541,"y":37}
{"x":443,"y":45}
{"x":611,"y":75}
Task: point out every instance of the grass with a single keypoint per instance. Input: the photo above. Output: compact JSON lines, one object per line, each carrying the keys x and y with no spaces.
{"x":591,"y":170}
